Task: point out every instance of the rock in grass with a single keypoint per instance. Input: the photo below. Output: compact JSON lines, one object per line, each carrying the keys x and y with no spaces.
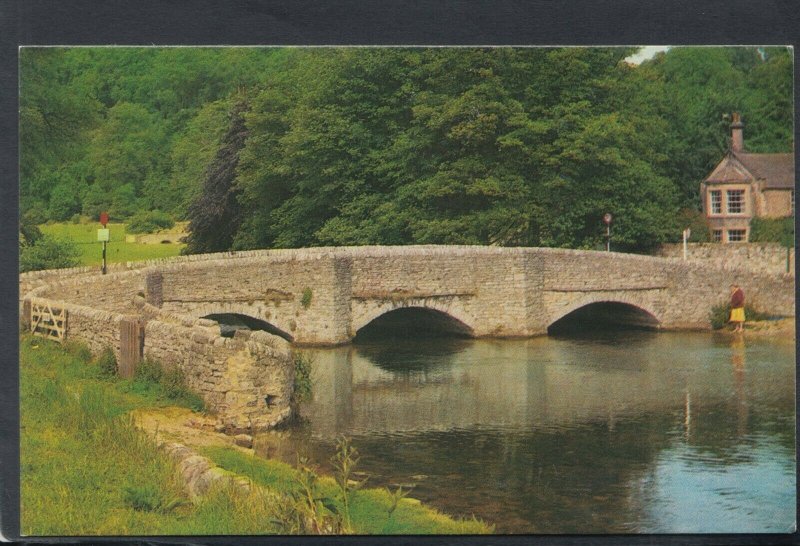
{"x":243,"y":440}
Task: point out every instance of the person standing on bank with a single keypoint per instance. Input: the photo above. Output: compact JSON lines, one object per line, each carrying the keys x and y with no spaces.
{"x":737,"y":307}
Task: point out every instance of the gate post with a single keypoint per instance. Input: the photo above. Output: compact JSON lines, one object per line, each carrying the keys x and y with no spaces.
{"x":131,"y":346}
{"x":26,"y":314}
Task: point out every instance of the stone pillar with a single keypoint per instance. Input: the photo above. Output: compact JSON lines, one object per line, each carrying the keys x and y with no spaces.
{"x":536,"y":317}
{"x":153,"y":288}
{"x":342,"y":294}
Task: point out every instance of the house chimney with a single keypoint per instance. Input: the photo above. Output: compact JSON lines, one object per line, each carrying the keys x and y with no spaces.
{"x":737,"y":140}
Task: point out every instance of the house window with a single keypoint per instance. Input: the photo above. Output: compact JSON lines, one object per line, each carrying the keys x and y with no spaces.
{"x":735,"y":202}
{"x":716,"y":235}
{"x":716,"y":201}
{"x":737,"y":235}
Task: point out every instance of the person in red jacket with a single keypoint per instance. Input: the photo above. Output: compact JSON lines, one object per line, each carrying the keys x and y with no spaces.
{"x":737,"y":307}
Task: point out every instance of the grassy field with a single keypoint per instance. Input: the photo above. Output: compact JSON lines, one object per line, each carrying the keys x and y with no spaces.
{"x":87,"y":470}
{"x":117,"y":250}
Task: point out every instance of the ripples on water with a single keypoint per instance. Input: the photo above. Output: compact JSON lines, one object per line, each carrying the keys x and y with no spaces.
{"x":615,"y":432}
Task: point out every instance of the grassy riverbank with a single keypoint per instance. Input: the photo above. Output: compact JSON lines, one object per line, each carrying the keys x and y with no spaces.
{"x":86,"y":469}
{"x":84,"y":236}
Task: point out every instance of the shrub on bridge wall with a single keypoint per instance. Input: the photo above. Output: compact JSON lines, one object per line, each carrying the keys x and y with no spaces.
{"x":302,"y":378}
{"x":305,"y":301}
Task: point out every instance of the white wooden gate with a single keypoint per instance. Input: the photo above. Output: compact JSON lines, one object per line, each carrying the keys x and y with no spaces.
{"x":48,"y":321}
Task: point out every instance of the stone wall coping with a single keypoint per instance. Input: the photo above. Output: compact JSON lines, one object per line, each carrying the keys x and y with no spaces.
{"x":78,"y":309}
{"x":256,"y":257}
{"x":376,"y":251}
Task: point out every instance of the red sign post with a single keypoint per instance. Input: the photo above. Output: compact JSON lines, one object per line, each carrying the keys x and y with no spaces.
{"x":104,"y":218}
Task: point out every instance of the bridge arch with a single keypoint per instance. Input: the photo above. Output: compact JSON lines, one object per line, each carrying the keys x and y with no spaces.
{"x":412,"y":319}
{"x":230,"y":322}
{"x":604,"y":312}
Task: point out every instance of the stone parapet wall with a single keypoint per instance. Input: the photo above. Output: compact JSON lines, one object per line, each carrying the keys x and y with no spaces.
{"x":97,"y":328}
{"x":246,"y":380}
{"x":759,"y":257}
{"x":494,"y":291}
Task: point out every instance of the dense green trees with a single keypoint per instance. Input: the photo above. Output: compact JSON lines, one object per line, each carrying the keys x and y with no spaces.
{"x":215,"y":214}
{"x":510,"y":146}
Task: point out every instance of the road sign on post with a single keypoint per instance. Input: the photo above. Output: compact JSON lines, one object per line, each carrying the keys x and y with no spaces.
{"x":104,"y":236}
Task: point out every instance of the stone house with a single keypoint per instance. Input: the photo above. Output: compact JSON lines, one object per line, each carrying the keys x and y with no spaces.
{"x":744,"y":186}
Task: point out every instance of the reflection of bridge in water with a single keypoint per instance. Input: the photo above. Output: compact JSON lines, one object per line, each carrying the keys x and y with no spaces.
{"x":536,"y":383}
{"x":561,"y":435}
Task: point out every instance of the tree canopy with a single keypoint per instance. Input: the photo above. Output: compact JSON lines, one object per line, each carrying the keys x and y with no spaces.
{"x":506,"y":146}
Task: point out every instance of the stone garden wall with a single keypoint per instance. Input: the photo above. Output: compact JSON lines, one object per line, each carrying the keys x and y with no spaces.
{"x":758,"y":257}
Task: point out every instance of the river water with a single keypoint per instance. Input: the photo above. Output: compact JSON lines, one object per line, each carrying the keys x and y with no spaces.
{"x":614,"y":432}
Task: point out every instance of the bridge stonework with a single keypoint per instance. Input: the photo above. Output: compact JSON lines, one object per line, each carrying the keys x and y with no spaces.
{"x":323,"y":296}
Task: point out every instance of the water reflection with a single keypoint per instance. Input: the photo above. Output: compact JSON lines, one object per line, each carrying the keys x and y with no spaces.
{"x":567,"y":435}
{"x":404,"y":360}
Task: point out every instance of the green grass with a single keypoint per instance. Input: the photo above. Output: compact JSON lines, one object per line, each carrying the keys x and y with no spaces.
{"x":117,"y":250}
{"x":370,"y":507}
{"x":85,"y":468}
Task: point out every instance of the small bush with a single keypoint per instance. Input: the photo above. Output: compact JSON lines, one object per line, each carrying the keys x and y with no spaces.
{"x":305,"y":509}
{"x":344,"y":463}
{"x":149,"y":498}
{"x":76,"y":218}
{"x":772,"y":230}
{"x":47,"y":253}
{"x":79,"y":350}
{"x":148,"y":371}
{"x":29,"y":232}
{"x":148,"y":222}
{"x":720,"y":314}
{"x":170,"y":380}
{"x":305,"y":300}
{"x":107,"y":363}
{"x":694,"y":220}
{"x":302,"y":378}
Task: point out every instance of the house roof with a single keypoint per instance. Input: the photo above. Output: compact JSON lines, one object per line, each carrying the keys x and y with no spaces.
{"x":777,"y":170}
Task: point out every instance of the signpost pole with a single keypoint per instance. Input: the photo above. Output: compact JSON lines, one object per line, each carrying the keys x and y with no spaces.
{"x":607,"y":219}
{"x":102,"y":235}
{"x":686,"y":234}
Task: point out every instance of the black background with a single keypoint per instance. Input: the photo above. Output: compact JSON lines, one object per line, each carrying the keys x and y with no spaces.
{"x":350,"y":22}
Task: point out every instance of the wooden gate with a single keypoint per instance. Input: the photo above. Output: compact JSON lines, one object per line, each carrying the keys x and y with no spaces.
{"x":48,"y":322}
{"x":131,"y":346}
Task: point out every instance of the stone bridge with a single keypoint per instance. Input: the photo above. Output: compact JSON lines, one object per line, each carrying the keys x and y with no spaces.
{"x":326,"y":296}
